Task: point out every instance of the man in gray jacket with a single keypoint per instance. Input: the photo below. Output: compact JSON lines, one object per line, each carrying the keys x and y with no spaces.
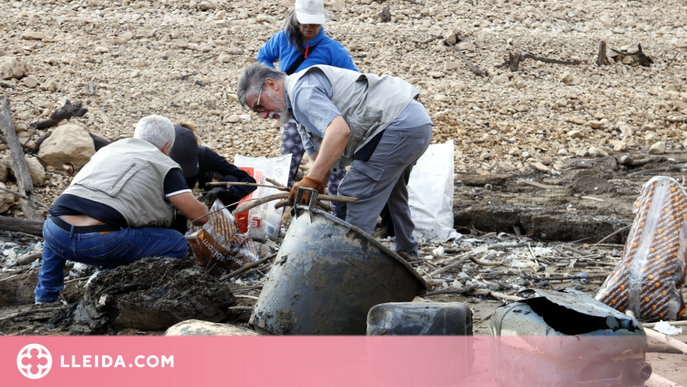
{"x":372,"y":123}
{"x":117,"y":208}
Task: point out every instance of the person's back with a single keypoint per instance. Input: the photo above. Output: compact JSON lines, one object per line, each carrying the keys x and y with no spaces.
{"x":114,"y":210}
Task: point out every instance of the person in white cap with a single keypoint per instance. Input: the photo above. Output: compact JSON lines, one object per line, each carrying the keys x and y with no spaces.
{"x":301,"y":44}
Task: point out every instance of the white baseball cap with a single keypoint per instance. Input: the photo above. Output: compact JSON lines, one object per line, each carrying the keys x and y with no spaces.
{"x":310,"y":11}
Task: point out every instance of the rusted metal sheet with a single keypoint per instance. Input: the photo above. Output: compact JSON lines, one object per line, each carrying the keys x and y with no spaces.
{"x":567,"y":339}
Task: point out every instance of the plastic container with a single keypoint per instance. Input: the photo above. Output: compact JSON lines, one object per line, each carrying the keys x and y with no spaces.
{"x":420,"y":319}
{"x":327,"y":276}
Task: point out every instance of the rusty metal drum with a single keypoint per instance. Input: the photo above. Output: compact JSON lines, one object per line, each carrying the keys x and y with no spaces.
{"x":327,"y":276}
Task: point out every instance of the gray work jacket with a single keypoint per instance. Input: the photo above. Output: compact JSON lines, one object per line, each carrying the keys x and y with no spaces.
{"x":367,"y":102}
{"x":129,"y":176}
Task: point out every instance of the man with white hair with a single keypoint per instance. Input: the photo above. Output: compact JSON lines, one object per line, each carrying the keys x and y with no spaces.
{"x":372,"y":123}
{"x":117,"y":208}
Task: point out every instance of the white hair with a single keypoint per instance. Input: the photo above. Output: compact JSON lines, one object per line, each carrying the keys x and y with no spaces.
{"x":155,"y":129}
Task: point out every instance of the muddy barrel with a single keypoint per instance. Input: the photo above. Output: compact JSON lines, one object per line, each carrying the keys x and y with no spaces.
{"x":327,"y":276}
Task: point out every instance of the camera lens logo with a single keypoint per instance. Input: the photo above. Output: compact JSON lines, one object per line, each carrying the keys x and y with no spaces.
{"x":34,"y":361}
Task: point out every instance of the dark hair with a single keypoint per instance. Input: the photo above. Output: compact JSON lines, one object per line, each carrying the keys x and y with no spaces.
{"x":293,"y":32}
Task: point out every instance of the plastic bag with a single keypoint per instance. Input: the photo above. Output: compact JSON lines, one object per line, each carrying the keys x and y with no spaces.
{"x":651,"y":272}
{"x":430,"y":190}
{"x":263,"y":222}
{"x":218,"y":244}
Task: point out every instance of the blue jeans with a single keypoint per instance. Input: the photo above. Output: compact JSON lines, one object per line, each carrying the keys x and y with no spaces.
{"x":106,"y":251}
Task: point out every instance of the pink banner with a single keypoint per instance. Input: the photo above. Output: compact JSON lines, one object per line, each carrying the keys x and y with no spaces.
{"x":319,"y":361}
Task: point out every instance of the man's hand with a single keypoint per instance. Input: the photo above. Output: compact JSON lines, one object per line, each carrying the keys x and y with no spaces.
{"x":307,"y":182}
{"x":226,"y":195}
{"x":190,"y":207}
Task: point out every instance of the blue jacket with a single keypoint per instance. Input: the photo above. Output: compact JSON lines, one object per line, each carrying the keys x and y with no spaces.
{"x":328,"y":52}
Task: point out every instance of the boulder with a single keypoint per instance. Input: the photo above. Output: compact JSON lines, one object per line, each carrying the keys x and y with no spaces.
{"x":11,"y":67}
{"x":205,"y":328}
{"x":6,"y":199}
{"x":67,"y":144}
{"x":36,"y":169}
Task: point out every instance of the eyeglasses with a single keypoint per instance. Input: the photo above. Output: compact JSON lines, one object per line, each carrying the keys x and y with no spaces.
{"x":257,"y":105}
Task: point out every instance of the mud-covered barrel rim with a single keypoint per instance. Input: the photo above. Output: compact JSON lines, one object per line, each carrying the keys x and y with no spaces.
{"x":300,"y":209}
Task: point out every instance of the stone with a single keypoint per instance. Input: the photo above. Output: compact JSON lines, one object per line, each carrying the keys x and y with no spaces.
{"x":570,"y":79}
{"x":145,"y":32}
{"x":657,"y":148}
{"x":36,"y":169}
{"x":595,"y":124}
{"x":576,"y":120}
{"x":68,"y":143}
{"x":650,"y":136}
{"x":649,"y":126}
{"x":6,"y":199}
{"x":123,"y":38}
{"x":206,"y":328}
{"x":575,"y":134}
{"x":522,"y":107}
{"x":450,"y":65}
{"x":101,"y":49}
{"x":625,"y":130}
{"x":207,"y":5}
{"x":436,"y":74}
{"x":540,"y":167}
{"x":262,"y":18}
{"x":562,"y":151}
{"x":500,"y":79}
{"x":597,"y":152}
{"x":31,"y":81}
{"x":32,"y":35}
{"x":11,"y":67}
{"x":440,"y":98}
{"x":466,"y":46}
{"x":224,"y":58}
{"x":233,"y":119}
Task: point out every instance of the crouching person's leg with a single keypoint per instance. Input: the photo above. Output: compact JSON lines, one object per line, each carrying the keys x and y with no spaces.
{"x":50,"y":275}
{"x":154,"y":242}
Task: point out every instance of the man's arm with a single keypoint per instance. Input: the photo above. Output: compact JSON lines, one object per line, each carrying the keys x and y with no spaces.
{"x":333,"y":144}
{"x":190,"y":207}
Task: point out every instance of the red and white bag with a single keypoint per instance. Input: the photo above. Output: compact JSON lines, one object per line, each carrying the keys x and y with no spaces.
{"x":651,"y":272}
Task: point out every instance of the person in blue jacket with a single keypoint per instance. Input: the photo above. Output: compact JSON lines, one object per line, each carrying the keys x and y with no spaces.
{"x":301,"y":44}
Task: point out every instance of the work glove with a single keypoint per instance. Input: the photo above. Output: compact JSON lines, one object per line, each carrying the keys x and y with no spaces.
{"x":225,"y":195}
{"x":307,"y":182}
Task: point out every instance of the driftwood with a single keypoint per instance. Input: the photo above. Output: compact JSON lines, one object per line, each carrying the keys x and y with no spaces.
{"x":21,"y":225}
{"x":29,"y":258}
{"x":285,"y":195}
{"x":514,"y":59}
{"x":17,"y":161}
{"x":385,"y":15}
{"x":24,"y":197}
{"x":64,"y":113}
{"x":602,"y":59}
{"x":28,"y":312}
{"x":247,"y":267}
{"x":471,"y":66}
{"x":641,"y":58}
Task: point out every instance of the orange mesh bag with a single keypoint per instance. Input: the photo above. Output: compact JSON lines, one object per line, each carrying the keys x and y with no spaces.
{"x":218,"y":244}
{"x":651,"y":272}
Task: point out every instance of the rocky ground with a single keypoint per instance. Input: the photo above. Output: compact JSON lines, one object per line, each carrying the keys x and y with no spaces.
{"x":552,"y":154}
